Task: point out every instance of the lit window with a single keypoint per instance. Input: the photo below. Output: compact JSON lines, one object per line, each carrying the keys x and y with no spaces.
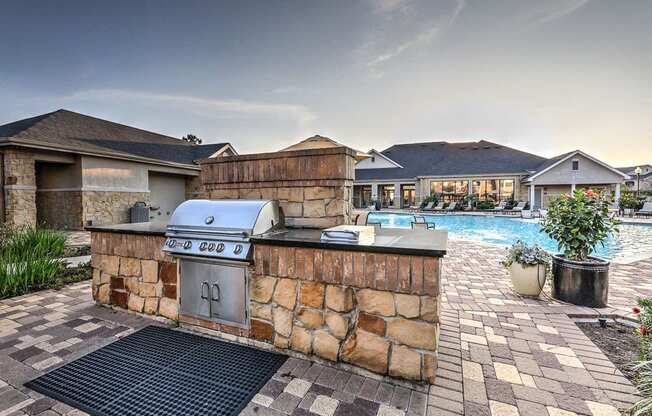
{"x":576,"y":165}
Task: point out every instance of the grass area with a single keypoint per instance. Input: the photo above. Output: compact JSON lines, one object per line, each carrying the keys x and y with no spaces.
{"x":30,"y":261}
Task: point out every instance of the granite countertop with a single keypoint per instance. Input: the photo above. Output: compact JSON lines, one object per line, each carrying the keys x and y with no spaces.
{"x":387,"y":240}
{"x":142,"y":228}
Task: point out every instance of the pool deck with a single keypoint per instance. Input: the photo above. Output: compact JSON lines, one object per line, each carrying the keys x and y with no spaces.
{"x":500,"y":354}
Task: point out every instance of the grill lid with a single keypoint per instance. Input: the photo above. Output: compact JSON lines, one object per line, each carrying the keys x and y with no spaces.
{"x":232,"y":215}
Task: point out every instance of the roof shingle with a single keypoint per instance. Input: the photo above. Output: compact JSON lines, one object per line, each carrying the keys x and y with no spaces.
{"x":452,"y":159}
{"x":70,"y":130}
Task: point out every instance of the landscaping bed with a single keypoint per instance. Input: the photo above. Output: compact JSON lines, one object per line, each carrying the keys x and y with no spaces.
{"x":620,"y":343}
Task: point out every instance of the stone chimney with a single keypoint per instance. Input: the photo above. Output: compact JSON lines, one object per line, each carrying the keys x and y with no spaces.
{"x":314,"y":186}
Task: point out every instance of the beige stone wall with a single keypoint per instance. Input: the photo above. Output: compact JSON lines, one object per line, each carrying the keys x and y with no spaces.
{"x":59,"y":209}
{"x":376,"y":311}
{"x":109,"y":207}
{"x":19,"y":187}
{"x":314,"y":187}
{"x":130,"y":271}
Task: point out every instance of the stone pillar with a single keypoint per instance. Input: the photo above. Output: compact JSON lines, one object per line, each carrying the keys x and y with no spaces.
{"x":374,"y":191}
{"x":398,"y":196}
{"x":19,"y":187}
{"x":532,"y":198}
{"x":617,"y":195}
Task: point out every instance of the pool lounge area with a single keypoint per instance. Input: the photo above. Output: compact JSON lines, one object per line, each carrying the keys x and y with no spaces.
{"x":633,"y":242}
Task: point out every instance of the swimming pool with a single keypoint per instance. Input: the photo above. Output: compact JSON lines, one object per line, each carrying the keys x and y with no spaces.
{"x":633,"y":241}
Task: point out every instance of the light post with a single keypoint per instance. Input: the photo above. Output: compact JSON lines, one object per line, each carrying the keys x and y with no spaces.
{"x":638,"y":171}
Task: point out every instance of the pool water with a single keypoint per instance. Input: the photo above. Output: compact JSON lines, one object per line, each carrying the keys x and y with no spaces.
{"x":631,"y":242}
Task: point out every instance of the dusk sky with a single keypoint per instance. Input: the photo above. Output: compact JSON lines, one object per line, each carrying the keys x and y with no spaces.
{"x":542,"y":76}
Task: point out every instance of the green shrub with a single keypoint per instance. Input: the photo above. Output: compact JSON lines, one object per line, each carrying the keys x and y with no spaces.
{"x":579,"y":223}
{"x":628,"y":200}
{"x":29,"y":259}
{"x":486,"y":205}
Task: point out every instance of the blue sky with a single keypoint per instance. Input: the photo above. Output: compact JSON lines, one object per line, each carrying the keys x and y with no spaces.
{"x":544,"y":76}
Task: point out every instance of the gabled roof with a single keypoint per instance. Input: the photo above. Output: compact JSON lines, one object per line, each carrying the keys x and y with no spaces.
{"x":452,"y":159}
{"x":552,"y":162}
{"x":321,"y":142}
{"x":374,"y":152}
{"x":73,"y":132}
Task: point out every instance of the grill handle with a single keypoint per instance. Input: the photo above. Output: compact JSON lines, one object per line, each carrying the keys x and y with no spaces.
{"x":205,"y":283}
{"x":219,"y":292}
{"x":209,"y":232}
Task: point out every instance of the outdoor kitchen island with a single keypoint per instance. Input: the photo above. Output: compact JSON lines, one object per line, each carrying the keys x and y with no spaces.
{"x":370,"y":305}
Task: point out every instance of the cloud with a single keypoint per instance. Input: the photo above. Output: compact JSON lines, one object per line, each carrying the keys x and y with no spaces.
{"x":550,"y":11}
{"x":209,"y":107}
{"x":423,"y":36}
{"x":389,"y":6}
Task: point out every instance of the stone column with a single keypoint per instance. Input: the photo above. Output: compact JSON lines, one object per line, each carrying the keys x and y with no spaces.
{"x":532,"y":197}
{"x":617,"y":195}
{"x":374,"y":191}
{"x":398,"y":196}
{"x":19,"y":187}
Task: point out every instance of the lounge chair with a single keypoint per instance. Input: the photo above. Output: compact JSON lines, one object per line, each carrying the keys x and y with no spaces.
{"x":428,"y":206}
{"x":451,"y":207}
{"x":422,"y":226}
{"x":518,"y":209}
{"x":646,"y":210}
{"x":439,"y":207}
{"x":501,"y":206}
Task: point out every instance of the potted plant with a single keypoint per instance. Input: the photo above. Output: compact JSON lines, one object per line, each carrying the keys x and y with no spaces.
{"x":629,"y":203}
{"x":579,"y":223}
{"x":528,"y":267}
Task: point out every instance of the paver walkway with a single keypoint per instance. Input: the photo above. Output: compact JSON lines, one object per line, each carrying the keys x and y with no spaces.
{"x":500,"y":354}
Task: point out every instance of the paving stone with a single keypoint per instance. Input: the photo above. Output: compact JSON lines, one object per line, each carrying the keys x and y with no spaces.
{"x":324,"y":406}
{"x":285,"y":403}
{"x":384,"y":393}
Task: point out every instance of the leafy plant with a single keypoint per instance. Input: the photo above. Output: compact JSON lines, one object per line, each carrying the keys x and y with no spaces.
{"x":525,"y":255}
{"x":579,"y":223}
{"x":486,"y":205}
{"x":29,"y":259}
{"x":644,"y":367}
{"x":628,"y":200}
{"x":470,"y":200}
{"x":433,"y":197}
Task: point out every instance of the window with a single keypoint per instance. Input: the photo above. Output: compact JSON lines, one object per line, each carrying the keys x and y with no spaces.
{"x":386,"y":195}
{"x":494,"y":189}
{"x":575,"y":165}
{"x":361,"y":196}
{"x":450,"y":190}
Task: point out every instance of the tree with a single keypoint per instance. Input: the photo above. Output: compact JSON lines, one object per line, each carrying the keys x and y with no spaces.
{"x":191,"y":138}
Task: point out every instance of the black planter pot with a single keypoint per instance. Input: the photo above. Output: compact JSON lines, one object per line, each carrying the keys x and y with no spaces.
{"x":584,"y":283}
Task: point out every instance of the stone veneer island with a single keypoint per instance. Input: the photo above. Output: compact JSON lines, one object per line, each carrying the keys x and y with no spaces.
{"x":373,"y":306}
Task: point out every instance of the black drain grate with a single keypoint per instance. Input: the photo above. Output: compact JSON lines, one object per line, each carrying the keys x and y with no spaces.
{"x":158,"y":371}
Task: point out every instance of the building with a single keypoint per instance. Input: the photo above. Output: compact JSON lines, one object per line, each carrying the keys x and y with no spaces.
{"x":643,"y":182}
{"x":69,"y":170}
{"x":402,"y":175}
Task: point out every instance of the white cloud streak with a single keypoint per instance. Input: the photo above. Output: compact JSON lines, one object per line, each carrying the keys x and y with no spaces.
{"x":551,"y":11}
{"x":209,"y":107}
{"x":434,"y":29}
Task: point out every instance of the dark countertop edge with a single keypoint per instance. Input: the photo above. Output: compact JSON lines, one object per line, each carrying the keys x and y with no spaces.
{"x":348,"y":247}
{"x":108,"y":229}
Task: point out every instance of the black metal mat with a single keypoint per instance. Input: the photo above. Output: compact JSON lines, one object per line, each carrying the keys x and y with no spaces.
{"x":158,"y":371}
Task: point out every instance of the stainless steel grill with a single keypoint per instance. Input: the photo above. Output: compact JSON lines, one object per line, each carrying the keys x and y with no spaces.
{"x":219,"y":228}
{"x":211,"y":241}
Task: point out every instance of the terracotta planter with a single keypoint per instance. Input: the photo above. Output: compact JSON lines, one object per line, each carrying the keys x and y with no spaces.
{"x":584,"y":283}
{"x":528,"y":280}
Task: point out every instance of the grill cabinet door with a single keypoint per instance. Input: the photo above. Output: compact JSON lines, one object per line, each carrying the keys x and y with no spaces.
{"x":195,"y":284}
{"x":229,"y":294}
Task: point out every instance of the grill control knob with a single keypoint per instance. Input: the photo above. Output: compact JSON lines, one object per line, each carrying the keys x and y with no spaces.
{"x":187,"y":245}
{"x":171,"y":243}
{"x":211,"y":247}
{"x":202,"y":246}
{"x":237,"y":249}
{"x":220,"y":247}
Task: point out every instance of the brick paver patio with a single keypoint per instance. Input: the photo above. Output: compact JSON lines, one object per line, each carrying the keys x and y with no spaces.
{"x":500,"y":354}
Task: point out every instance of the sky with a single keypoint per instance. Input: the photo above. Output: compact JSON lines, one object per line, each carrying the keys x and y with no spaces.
{"x":543,"y":76}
